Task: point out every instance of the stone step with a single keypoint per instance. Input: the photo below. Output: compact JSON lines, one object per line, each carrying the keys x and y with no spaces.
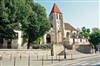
{"x":68,"y":52}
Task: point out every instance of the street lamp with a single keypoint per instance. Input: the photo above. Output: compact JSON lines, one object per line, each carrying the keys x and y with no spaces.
{"x":64,"y":48}
{"x":52,"y":50}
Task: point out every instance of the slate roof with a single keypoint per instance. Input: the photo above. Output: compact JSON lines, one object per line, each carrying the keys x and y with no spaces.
{"x":69,"y":27}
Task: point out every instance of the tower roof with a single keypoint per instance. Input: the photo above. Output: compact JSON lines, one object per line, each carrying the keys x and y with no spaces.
{"x":55,"y":9}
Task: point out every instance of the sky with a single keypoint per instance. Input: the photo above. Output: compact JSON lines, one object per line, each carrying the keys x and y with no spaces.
{"x":78,"y":13}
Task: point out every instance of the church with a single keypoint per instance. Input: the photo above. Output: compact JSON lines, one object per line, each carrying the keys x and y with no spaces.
{"x":59,"y":34}
{"x":62,"y":32}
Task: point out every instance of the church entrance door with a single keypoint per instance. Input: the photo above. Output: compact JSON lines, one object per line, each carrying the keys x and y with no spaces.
{"x":48,"y":38}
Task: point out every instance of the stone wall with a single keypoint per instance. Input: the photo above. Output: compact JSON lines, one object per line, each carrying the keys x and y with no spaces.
{"x":83,"y":48}
{"x":26,"y":52}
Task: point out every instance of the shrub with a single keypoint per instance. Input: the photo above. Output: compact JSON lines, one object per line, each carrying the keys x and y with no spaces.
{"x":35,"y":46}
{"x":45,"y":46}
{"x":42,"y":46}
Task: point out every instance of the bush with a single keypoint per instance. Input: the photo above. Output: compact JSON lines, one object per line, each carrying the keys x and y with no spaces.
{"x":45,"y":46}
{"x":35,"y":46}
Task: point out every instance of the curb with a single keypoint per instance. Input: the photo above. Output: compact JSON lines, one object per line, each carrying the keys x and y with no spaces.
{"x":84,"y":57}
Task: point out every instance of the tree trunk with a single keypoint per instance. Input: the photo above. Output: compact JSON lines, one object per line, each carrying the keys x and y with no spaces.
{"x":28,"y":45}
{"x":95,"y":48}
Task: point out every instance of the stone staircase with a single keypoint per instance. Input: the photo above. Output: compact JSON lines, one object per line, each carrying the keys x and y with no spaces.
{"x":57,"y":48}
{"x":69,"y":52}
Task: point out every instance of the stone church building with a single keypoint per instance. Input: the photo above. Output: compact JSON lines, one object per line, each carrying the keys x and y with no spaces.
{"x":60,"y":33}
{"x":61,"y":30}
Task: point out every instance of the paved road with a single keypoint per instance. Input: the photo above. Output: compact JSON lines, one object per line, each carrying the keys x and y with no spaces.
{"x":92,"y":61}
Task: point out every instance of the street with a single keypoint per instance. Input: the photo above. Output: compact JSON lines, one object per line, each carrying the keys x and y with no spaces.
{"x":92,"y":61}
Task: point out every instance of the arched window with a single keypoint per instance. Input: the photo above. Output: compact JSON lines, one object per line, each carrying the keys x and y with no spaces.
{"x":80,"y":40}
{"x":48,"y":38}
{"x":60,"y":16}
{"x":67,"y":34}
{"x":74,"y":35}
{"x":86,"y":40}
{"x":57,"y":16}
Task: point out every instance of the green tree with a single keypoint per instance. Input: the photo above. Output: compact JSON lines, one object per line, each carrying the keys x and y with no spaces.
{"x":95,"y":29}
{"x":85,"y":32}
{"x":7,"y":19}
{"x":24,"y":15}
{"x":94,"y":38}
{"x":34,"y":21}
{"x":3,"y":19}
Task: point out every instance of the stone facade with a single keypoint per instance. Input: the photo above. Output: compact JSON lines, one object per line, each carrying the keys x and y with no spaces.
{"x":61,"y":30}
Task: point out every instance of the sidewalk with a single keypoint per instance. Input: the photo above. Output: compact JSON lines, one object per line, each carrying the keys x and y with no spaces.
{"x":78,"y":56}
{"x":75,"y":57}
{"x":39,"y":60}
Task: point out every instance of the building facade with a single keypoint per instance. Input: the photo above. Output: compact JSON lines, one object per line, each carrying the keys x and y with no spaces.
{"x":59,"y":32}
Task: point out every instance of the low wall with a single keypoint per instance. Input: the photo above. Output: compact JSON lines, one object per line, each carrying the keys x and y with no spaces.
{"x":25,"y":52}
{"x":83,"y":48}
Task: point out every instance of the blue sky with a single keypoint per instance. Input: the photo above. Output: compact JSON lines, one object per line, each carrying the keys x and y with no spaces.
{"x":78,"y":13}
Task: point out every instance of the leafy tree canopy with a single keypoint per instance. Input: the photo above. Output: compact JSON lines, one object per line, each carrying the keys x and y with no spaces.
{"x":24,"y":15}
{"x":94,"y":38}
{"x":8,"y":10}
{"x":85,"y":32}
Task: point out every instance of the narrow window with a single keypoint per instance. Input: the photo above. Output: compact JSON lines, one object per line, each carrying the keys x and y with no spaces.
{"x":67,"y":34}
{"x":57,"y":16}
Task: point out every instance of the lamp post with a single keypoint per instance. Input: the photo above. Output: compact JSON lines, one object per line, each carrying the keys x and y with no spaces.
{"x":52,"y":50}
{"x":64,"y":48}
{"x":74,"y":36}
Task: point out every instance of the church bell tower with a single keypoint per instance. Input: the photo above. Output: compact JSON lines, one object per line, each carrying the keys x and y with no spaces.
{"x":56,"y":19}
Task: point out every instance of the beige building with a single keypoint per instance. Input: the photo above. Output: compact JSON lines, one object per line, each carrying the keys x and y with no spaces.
{"x":61,"y":31}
